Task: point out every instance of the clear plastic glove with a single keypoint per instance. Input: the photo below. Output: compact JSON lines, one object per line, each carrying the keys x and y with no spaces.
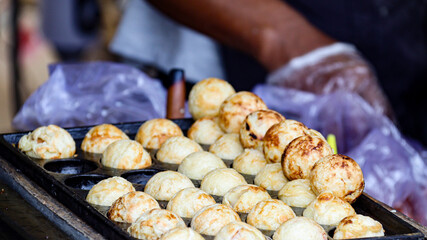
{"x":335,"y":67}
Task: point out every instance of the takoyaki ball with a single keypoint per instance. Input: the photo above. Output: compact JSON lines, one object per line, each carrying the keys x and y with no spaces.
{"x":239,"y":231}
{"x":227,"y":146}
{"x":175,"y":149}
{"x":279,"y":136}
{"x":271,"y":177}
{"x":358,"y":226}
{"x":300,"y":228}
{"x":153,"y":133}
{"x":48,"y":142}
{"x":297,"y":193}
{"x":235,"y":108}
{"x":181,"y":233}
{"x":209,"y":220}
{"x":163,"y":185}
{"x":188,"y":201}
{"x":99,"y":137}
{"x":219,"y":181}
{"x":244,"y":197}
{"x":196,"y":165}
{"x":328,"y":209}
{"x":269,"y":214}
{"x":107,"y":191}
{"x":338,"y":174}
{"x":205,"y":131}
{"x":250,"y":162}
{"x":206,"y":97}
{"x":126,"y":154}
{"x":255,"y":125}
{"x":154,"y":223}
{"x":301,"y":154}
{"x":129,"y":207}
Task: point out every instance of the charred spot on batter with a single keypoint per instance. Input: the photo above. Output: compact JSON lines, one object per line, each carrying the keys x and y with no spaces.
{"x":247,"y":127}
{"x":256,"y":189}
{"x":271,"y":138}
{"x":344,"y":164}
{"x":325,"y":197}
{"x":362,"y":185}
{"x":171,"y":217}
{"x":319,"y":145}
{"x":284,"y":157}
{"x":344,"y":157}
{"x":335,"y":164}
{"x":315,"y":164}
{"x":306,"y":146}
{"x":346,"y":221}
{"x":110,"y":213}
{"x":253,"y":135}
{"x":297,"y":173}
{"x":349,"y":173}
{"x":349,"y":193}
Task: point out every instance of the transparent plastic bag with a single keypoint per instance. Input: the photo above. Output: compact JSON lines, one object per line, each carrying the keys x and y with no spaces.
{"x":92,"y":93}
{"x":334,"y":67}
{"x":395,"y":173}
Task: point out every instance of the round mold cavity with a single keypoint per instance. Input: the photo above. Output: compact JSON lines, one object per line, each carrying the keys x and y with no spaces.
{"x":88,"y":155}
{"x":84,"y":182}
{"x":268,"y":233}
{"x":187,"y":221}
{"x":208,"y":237}
{"x":205,"y":147}
{"x":218,"y":199}
{"x":166,"y":166}
{"x":298,"y":210}
{"x":163,"y":203}
{"x":273,"y":194}
{"x":331,"y":232}
{"x":228,"y":162}
{"x":329,"y":229}
{"x":243,"y":216}
{"x":250,"y":179}
{"x":140,"y":176}
{"x":197,"y":183}
{"x":70,"y":166}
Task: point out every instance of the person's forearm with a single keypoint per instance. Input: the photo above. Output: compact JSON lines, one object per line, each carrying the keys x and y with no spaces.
{"x":269,"y":30}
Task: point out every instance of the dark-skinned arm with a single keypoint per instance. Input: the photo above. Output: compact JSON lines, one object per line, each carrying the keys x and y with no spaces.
{"x":269,"y":30}
{"x":274,"y":33}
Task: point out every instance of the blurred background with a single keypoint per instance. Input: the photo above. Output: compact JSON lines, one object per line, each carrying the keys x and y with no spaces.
{"x":40,"y":42}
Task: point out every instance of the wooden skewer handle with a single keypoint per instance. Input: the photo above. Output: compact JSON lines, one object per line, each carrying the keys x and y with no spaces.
{"x":176,"y":95}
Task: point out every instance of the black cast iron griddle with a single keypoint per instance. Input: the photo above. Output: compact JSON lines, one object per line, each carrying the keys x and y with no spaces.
{"x":69,"y":181}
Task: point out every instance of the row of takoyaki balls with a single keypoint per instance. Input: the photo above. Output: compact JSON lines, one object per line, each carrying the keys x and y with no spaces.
{"x":238,"y":127}
{"x":184,"y":201}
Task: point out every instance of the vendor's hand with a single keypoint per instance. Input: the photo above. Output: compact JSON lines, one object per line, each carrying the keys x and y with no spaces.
{"x":331,"y":68}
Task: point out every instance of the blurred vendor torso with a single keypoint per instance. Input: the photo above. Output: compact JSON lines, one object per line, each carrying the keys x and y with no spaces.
{"x":391,"y":34}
